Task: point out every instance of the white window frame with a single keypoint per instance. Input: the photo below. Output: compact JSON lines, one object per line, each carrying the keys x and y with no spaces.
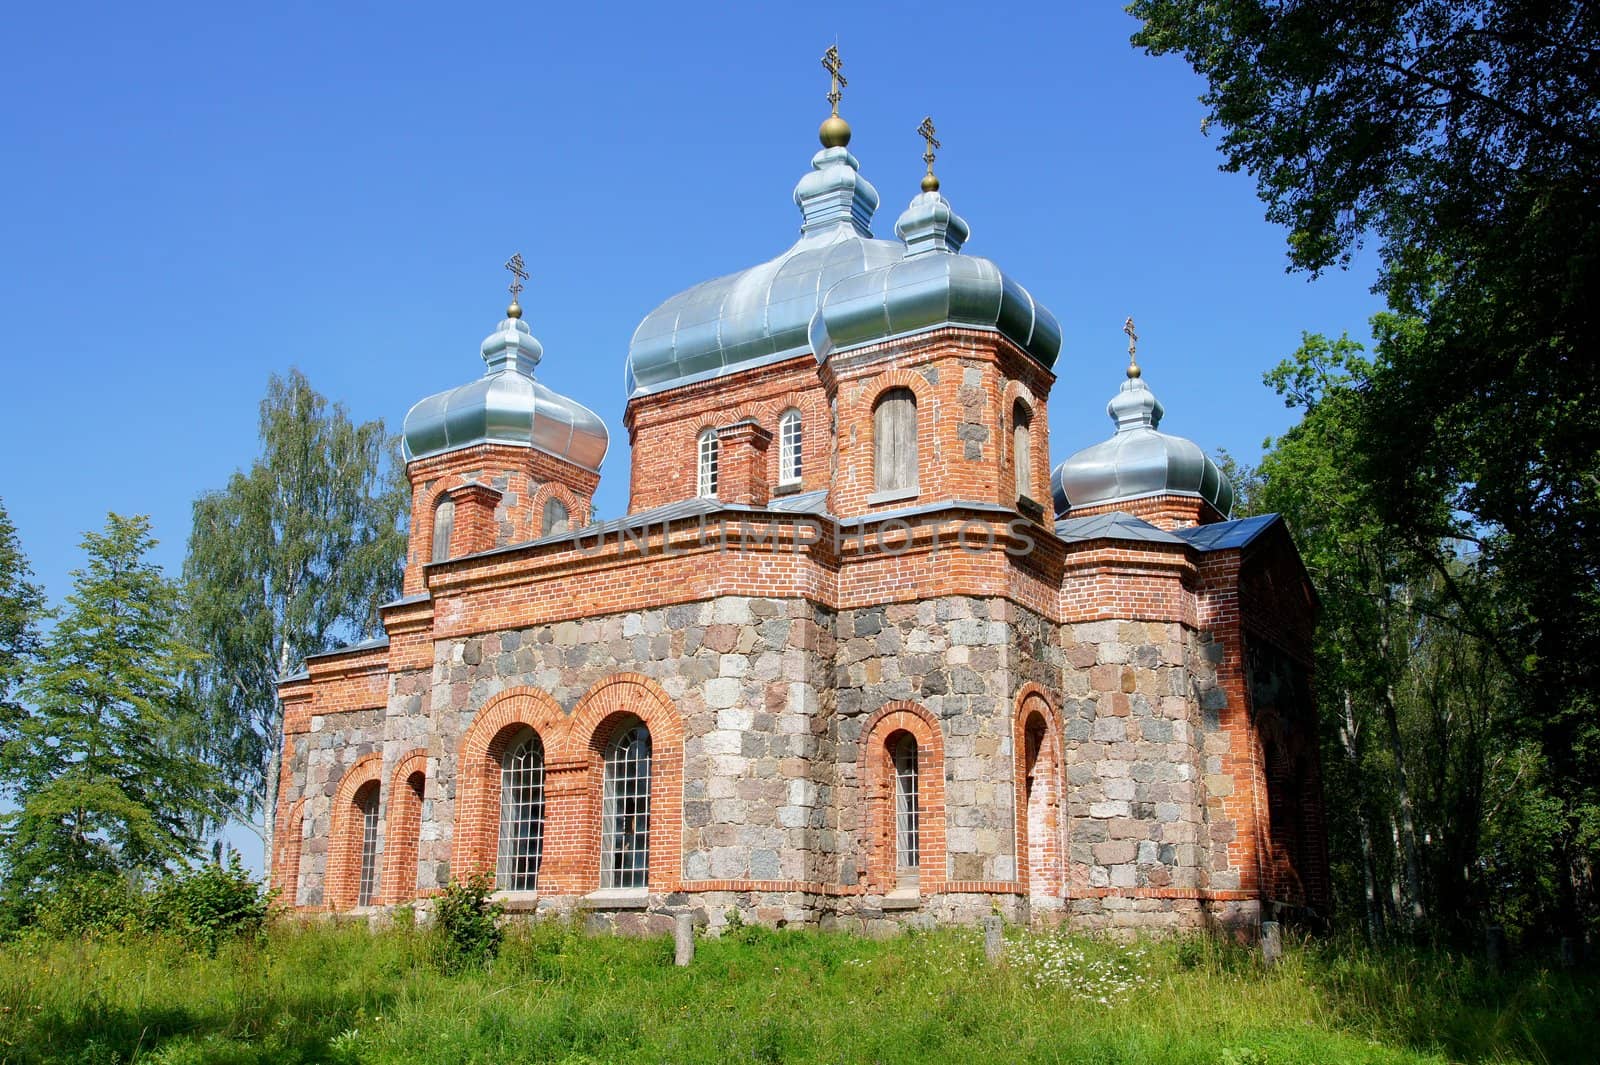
{"x":706,"y":465}
{"x":907,"y":810}
{"x":625,"y":809}
{"x":367,"y":807}
{"x":791,"y":441}
{"x":522,"y":814}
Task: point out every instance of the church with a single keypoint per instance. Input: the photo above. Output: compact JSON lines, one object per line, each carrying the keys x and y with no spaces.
{"x":856,"y":657}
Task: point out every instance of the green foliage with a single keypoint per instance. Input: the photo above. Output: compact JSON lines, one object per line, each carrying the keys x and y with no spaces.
{"x":95,"y":906}
{"x":1464,"y":139}
{"x":21,"y":608}
{"x":342,"y":994}
{"x":100,"y":768}
{"x":292,"y":558}
{"x":209,"y":904}
{"x":468,"y":923}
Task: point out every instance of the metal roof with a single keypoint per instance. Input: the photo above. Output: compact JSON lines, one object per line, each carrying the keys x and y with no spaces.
{"x":507,"y":406}
{"x":1224,"y":535}
{"x":932,"y":286}
{"x":1112,"y":525}
{"x":1137,"y":461}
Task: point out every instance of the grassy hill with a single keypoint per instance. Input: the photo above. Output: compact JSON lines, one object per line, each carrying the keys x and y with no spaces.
{"x":344,"y":995}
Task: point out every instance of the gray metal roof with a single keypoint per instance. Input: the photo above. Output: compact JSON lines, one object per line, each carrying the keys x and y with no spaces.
{"x":762,"y":314}
{"x":1112,"y":525}
{"x":1223,"y":535}
{"x":364,"y":645}
{"x":507,"y":406}
{"x":1138,"y":461}
{"x":932,"y":286}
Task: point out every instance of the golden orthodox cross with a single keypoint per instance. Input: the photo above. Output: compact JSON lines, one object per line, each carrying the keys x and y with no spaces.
{"x":519,"y":274}
{"x":926,"y":131}
{"x":835,"y":68}
{"x":1133,"y":337}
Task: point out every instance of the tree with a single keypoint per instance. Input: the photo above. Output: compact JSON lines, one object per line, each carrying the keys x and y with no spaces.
{"x":21,"y":607}
{"x":292,"y":558}
{"x":1462,"y":137}
{"x":100,"y":767}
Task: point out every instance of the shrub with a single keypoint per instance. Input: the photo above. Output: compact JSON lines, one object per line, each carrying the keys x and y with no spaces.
{"x":468,"y":923}
{"x":209,"y":904}
{"x":96,"y":905}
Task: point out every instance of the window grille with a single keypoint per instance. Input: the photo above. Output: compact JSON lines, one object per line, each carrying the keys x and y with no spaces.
{"x":367,"y":804}
{"x":707,"y":479}
{"x":556,"y":519}
{"x":1022,"y":448}
{"x":521,"y":814}
{"x":625,"y":829}
{"x":444,"y":520}
{"x":894,"y":433}
{"x":789,"y":439}
{"x":906,"y":819}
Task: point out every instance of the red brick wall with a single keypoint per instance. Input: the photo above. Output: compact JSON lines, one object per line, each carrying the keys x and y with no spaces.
{"x":876,"y":771}
{"x":1040,"y":866}
{"x":664,"y":429}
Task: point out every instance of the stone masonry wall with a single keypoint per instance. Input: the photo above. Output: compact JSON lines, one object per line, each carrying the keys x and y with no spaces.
{"x":1135,"y":811}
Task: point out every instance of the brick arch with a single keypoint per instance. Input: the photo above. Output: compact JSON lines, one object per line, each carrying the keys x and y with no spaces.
{"x":287,"y":839}
{"x":477,"y":816}
{"x":341,"y":887}
{"x":594,"y":721}
{"x":403,"y":826}
{"x":876,"y":772}
{"x":1040,"y":810}
{"x":577,"y":508}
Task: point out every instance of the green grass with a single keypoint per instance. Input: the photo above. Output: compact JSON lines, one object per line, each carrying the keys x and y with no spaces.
{"x":342,"y":995}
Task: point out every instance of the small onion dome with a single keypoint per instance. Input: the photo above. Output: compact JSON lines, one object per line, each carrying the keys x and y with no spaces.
{"x":760,"y":315}
{"x":1138,"y":461}
{"x":932,"y":285}
{"x":507,"y":406}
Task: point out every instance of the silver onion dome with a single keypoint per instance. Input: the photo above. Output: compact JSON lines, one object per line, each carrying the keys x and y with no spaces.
{"x":762,"y":315}
{"x":507,"y":406}
{"x":1138,"y":461}
{"x":933,"y":285}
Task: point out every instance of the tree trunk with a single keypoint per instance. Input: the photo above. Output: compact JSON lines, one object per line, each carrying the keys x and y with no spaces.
{"x":1348,"y":735}
{"x":269,"y":813}
{"x":1407,"y":830}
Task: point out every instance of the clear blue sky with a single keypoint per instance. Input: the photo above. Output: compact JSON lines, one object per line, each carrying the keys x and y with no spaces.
{"x":196,"y":196}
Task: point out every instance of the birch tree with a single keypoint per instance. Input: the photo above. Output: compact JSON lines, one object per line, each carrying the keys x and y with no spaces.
{"x":292,"y":558}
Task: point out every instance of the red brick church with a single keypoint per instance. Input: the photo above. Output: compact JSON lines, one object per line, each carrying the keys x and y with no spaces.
{"x":855,"y":656}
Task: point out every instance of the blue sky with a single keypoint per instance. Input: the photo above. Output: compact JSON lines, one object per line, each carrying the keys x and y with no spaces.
{"x":199,"y":196}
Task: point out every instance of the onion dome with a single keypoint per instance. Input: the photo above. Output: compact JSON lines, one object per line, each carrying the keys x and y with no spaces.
{"x":507,"y":406}
{"x":761,"y":315}
{"x":932,"y":285}
{"x":1138,"y":461}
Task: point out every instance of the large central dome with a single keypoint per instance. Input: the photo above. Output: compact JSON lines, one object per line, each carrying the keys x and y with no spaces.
{"x":761,"y":315}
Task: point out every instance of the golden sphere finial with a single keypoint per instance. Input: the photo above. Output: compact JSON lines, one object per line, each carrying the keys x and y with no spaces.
{"x":930,"y":183}
{"x":835,"y":132}
{"x":515,"y":310}
{"x":1133,"y":370}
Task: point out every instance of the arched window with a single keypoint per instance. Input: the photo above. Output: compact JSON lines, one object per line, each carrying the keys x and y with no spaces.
{"x":1022,"y":447}
{"x":706,"y":480}
{"x":521,"y":813}
{"x":625,"y":819}
{"x":367,"y":806}
{"x":444,"y":520}
{"x":789,"y":440}
{"x":555,"y":519}
{"x":907,"y":827}
{"x":894,"y":435}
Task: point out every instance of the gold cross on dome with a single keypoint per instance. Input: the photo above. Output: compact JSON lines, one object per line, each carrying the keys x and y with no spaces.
{"x":519,"y":274}
{"x":926,"y":131}
{"x":835,"y":68}
{"x":1133,"y":337}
